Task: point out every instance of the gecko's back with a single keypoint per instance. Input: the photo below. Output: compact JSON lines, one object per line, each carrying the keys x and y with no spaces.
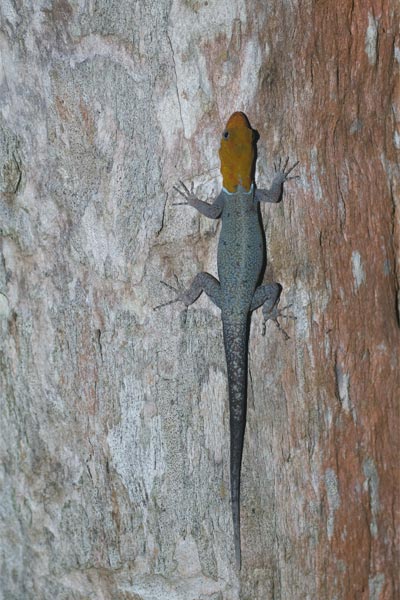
{"x":240,"y":253}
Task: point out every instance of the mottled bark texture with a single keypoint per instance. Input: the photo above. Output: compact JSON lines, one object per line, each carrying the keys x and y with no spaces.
{"x":114,"y":420}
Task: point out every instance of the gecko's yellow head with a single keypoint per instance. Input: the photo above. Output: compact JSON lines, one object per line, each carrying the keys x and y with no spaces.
{"x":237,"y":153}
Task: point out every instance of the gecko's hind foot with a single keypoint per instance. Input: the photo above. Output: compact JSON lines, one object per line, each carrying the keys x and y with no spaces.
{"x":273,"y":315}
{"x":179,"y":291}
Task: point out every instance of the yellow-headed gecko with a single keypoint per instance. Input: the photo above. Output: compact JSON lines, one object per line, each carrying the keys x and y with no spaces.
{"x":241,"y":264}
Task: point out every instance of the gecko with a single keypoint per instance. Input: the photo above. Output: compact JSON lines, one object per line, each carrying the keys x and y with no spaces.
{"x":241,"y":263}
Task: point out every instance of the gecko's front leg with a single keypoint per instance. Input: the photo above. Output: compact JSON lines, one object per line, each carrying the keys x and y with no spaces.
{"x":212,"y":211}
{"x":274,"y":193}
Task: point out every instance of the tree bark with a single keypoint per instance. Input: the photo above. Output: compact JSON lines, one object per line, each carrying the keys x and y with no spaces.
{"x":114,"y":418}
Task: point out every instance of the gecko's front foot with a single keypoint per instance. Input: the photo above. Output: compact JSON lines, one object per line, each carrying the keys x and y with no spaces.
{"x":282,"y":172}
{"x":189,"y":195}
{"x":273,"y":315}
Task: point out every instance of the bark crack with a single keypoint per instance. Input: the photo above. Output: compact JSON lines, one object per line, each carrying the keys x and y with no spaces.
{"x":176,"y":79}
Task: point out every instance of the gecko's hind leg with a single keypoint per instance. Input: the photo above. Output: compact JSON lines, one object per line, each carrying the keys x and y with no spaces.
{"x":203,"y":282}
{"x":268,"y":296}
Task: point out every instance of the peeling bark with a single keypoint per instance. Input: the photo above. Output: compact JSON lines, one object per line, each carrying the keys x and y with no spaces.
{"x":114,"y":419}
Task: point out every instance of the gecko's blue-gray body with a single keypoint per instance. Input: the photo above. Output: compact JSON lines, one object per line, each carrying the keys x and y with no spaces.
{"x":241,"y":255}
{"x":241,"y":260}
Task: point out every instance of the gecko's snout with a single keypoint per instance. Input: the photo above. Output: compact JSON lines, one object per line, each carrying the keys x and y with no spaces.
{"x":238,"y":119}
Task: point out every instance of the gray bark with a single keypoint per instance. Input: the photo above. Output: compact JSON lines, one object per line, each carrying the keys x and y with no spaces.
{"x":114,"y":443}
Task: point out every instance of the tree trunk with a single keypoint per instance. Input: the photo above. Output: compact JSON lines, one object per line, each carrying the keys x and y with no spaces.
{"x":114,"y":418}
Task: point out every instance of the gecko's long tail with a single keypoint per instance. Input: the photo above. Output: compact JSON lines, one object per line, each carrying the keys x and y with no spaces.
{"x":236,"y":333}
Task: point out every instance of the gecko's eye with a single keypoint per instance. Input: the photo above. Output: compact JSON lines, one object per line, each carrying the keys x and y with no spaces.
{"x":225,"y":135}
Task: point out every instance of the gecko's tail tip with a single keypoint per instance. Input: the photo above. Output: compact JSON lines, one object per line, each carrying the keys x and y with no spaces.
{"x":238,"y":553}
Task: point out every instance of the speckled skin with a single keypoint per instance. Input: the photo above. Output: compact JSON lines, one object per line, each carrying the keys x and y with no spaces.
{"x":241,"y":253}
{"x":241,"y":260}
